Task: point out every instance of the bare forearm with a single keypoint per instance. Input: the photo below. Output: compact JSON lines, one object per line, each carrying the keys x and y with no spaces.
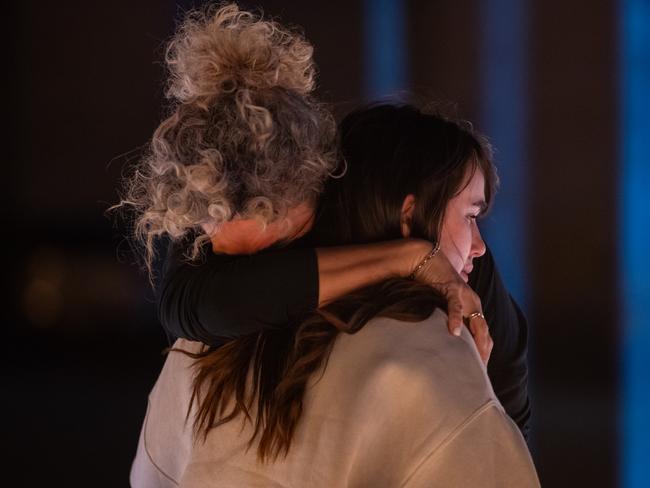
{"x":344,"y":269}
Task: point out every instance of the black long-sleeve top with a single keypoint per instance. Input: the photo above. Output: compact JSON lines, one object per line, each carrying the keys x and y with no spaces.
{"x":223,"y":297}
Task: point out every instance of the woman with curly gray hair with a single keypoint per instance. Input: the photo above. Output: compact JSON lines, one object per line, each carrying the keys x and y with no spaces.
{"x":244,"y":139}
{"x":233,"y":178}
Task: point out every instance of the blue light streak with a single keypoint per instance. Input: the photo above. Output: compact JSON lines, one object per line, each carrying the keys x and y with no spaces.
{"x":504,"y":118}
{"x":635,"y":241}
{"x":385,"y":48}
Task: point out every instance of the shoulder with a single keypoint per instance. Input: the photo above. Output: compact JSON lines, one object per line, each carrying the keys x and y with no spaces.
{"x":413,"y":369}
{"x":172,"y":390}
{"x":419,"y":356}
{"x":419,"y":383}
{"x":166,"y":438}
{"x":177,"y":361}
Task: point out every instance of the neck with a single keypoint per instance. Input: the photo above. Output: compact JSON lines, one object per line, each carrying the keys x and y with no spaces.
{"x":243,"y":237}
{"x":248,"y":236}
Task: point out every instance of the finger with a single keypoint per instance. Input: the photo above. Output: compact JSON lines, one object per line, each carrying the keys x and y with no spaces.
{"x":455,"y":314}
{"x":487,"y":350}
{"x":481,"y":333}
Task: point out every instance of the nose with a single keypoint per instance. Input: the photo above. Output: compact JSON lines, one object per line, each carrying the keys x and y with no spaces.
{"x":478,"y":246}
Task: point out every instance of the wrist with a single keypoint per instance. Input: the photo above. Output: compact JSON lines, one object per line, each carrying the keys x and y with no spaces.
{"x":422,"y":264}
{"x":412,"y":253}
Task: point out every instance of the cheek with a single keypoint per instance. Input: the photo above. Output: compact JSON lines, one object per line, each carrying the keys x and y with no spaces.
{"x":452,"y":242}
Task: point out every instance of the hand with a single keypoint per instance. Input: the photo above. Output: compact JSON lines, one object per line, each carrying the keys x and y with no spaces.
{"x":462,"y":301}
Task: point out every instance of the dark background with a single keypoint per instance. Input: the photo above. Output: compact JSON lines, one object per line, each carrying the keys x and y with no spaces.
{"x":85,"y":94}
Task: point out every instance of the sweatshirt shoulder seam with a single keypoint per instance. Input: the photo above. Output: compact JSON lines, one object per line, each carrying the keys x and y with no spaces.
{"x":452,"y":435}
{"x":146,"y":448}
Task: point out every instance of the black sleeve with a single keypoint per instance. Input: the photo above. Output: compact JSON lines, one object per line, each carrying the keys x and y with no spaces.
{"x":222,"y":297}
{"x":508,"y":365}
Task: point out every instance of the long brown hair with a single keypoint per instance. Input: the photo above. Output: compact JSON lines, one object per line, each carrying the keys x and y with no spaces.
{"x":390,"y":151}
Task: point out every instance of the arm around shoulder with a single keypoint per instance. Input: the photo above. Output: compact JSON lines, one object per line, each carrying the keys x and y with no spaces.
{"x":223,"y":297}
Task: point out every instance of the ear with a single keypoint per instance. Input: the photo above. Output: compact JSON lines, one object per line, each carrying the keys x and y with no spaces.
{"x":408,"y":205}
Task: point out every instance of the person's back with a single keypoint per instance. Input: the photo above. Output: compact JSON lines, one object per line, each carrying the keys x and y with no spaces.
{"x":444,"y":428}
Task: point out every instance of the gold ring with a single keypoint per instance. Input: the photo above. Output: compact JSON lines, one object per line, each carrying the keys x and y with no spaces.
{"x":474,"y":315}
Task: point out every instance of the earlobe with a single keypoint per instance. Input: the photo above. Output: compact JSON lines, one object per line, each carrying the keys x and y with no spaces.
{"x":408,"y":206}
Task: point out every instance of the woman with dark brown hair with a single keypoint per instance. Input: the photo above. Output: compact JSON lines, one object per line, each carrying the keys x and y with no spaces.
{"x":369,"y":390}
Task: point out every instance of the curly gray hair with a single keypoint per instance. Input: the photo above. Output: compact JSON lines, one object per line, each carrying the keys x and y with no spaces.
{"x":244,"y":138}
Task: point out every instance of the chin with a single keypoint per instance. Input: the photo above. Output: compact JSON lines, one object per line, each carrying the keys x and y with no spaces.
{"x":464,"y":276}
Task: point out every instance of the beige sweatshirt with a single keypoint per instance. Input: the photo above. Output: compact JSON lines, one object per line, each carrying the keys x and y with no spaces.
{"x":399,"y":405}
